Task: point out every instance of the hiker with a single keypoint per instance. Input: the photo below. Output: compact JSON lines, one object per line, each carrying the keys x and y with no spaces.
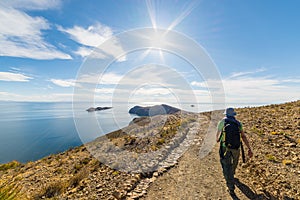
{"x":229,"y":134}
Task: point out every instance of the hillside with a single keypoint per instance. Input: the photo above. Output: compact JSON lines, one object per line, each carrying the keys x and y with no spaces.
{"x":273,"y":172}
{"x":173,"y":141}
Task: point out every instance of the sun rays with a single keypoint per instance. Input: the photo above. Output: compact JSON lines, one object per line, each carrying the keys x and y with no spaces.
{"x":152,"y":12}
{"x":158,"y":40}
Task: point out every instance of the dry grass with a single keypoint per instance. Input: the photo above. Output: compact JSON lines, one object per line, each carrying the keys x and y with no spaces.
{"x":10,"y":165}
{"x":10,"y":191}
{"x":52,"y":190}
{"x":75,"y":180}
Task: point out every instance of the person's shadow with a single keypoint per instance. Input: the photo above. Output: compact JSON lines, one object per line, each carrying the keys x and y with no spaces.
{"x":250,"y":194}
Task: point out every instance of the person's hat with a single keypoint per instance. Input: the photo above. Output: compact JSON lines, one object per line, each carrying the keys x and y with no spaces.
{"x":229,"y":112}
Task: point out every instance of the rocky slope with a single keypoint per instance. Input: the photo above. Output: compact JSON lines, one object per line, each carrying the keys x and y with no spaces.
{"x":102,"y":169}
{"x":272,"y":173}
{"x":274,"y":132}
{"x":170,"y":167}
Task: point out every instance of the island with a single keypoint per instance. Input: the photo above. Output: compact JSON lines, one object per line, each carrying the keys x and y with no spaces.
{"x":153,"y":110}
{"x":91,"y":109}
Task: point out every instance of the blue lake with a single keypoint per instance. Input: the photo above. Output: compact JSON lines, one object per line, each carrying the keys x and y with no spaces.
{"x":30,"y":131}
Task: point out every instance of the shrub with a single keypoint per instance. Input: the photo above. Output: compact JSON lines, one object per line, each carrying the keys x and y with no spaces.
{"x":52,"y":190}
{"x":9,"y":165}
{"x":77,"y":167}
{"x":192,"y":120}
{"x":75,"y":180}
{"x":161,"y":141}
{"x":85,"y":161}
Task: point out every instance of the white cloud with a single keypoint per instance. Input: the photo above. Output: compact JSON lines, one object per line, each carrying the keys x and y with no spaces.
{"x":85,"y":51}
{"x":104,"y":90}
{"x":9,"y":76}
{"x":93,"y":37}
{"x":32,"y":4}
{"x":291,"y":81}
{"x":198,"y":84}
{"x":148,"y":74}
{"x":247,"y":89}
{"x":105,"y":79}
{"x":152,"y":91}
{"x":21,"y":35}
{"x":64,"y":83}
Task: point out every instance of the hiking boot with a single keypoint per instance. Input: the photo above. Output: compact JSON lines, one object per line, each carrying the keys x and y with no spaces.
{"x":236,"y":181}
{"x":231,"y":192}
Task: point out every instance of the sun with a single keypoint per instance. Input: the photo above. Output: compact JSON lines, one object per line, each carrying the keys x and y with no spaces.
{"x":158,"y":40}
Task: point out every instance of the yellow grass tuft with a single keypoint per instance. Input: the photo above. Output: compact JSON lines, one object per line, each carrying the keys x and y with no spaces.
{"x":270,"y":157}
{"x":287,"y":162}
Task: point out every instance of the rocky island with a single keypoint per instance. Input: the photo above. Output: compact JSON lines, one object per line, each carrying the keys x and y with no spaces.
{"x":91,"y":109}
{"x":153,"y":110}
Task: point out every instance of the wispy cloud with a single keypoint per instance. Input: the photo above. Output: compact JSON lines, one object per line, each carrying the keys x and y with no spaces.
{"x":198,"y":84}
{"x":21,"y":34}
{"x":153,"y":91}
{"x":95,"y":79}
{"x":238,"y":74}
{"x":17,"y":77}
{"x":86,"y":51}
{"x":64,"y":83}
{"x":92,"y":37}
{"x":104,"y":79}
{"x":54,"y":97}
{"x":33,"y":4}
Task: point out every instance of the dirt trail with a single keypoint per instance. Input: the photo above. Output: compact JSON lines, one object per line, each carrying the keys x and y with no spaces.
{"x":195,"y":178}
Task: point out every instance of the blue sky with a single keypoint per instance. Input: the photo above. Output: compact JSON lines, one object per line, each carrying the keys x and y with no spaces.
{"x":254,"y":44}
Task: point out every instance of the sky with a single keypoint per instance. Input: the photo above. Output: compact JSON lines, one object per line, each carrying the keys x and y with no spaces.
{"x":45,"y":44}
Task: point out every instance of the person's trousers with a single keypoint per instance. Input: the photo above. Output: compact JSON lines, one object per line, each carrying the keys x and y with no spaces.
{"x":229,"y":164}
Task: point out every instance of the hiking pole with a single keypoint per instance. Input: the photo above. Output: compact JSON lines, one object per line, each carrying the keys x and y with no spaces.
{"x":243,"y":153}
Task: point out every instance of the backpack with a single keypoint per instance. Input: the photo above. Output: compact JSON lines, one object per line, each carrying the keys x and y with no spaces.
{"x":232,"y":133}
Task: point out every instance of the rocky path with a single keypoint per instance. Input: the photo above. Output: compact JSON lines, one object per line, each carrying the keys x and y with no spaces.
{"x":195,"y":178}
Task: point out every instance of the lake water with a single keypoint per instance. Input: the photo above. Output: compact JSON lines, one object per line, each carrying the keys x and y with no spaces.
{"x":30,"y":131}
